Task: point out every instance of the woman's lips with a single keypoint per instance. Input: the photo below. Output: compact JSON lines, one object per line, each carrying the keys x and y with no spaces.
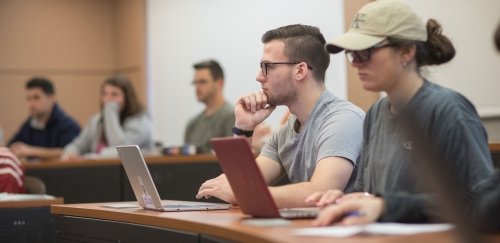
{"x":362,"y":75}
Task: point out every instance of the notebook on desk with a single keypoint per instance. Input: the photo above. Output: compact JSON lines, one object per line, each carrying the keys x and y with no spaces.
{"x":144,"y":188}
{"x":249,"y":187}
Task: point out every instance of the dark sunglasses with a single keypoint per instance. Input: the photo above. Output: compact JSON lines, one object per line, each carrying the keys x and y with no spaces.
{"x":366,"y":54}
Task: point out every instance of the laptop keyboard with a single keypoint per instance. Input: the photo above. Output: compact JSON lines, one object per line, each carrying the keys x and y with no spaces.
{"x":180,"y":206}
{"x":299,"y":213}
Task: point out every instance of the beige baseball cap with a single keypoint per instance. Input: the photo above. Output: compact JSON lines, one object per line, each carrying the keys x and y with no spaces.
{"x":376,"y":21}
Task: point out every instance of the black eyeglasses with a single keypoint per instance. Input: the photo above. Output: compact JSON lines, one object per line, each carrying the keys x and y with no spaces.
{"x":264,"y":65}
{"x":200,"y":82}
{"x":366,"y":54}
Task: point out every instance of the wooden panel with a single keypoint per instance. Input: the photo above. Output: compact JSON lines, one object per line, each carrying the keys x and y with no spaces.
{"x":56,"y":34}
{"x":130,"y":19}
{"x":355,"y":92}
{"x":76,"y":44}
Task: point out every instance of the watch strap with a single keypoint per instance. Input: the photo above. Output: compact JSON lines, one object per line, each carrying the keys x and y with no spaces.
{"x":240,"y":132}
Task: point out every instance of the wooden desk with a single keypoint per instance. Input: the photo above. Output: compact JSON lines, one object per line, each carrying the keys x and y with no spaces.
{"x":115,"y":161}
{"x":494,"y":147}
{"x":27,"y":220}
{"x":31,"y":203}
{"x":104,"y":180}
{"x":129,"y":225}
{"x":495,"y":153}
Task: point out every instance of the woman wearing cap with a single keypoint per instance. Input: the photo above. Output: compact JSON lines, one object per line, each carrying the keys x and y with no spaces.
{"x":388,"y":44}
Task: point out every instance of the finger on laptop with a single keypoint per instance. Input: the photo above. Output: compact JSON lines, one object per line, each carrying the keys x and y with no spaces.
{"x":313,"y":198}
{"x":355,"y":196}
{"x":329,"y":197}
{"x":206,"y":193}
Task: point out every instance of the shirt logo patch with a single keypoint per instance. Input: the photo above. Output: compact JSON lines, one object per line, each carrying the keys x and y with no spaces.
{"x":408,"y":145}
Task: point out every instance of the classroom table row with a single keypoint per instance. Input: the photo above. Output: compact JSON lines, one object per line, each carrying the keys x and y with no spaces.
{"x":177,"y":177}
{"x":93,"y":222}
{"x":31,"y":221}
{"x":104,"y":180}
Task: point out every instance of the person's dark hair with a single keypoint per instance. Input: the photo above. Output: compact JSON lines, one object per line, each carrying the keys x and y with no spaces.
{"x":438,"y":49}
{"x":497,"y":37}
{"x":303,"y":43}
{"x":42,"y":83}
{"x":132,"y":105}
{"x":213,"y":66}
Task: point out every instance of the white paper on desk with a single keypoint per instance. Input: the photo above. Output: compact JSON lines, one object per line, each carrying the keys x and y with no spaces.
{"x":405,"y":229}
{"x":331,"y":231}
{"x":376,"y":228}
{"x":266,"y":222}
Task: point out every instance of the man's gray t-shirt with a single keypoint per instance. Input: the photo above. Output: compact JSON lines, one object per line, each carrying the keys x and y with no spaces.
{"x":201,"y":128}
{"x":334,"y":128}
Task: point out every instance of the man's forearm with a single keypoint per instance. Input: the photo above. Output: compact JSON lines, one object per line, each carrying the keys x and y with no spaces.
{"x":294,"y":195}
{"x":46,"y":153}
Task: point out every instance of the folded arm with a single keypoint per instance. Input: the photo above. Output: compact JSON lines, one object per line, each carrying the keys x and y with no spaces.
{"x":330,"y":173}
{"x":23,"y":150}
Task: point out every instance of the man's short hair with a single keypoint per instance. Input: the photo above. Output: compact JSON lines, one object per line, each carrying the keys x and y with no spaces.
{"x":303,"y":43}
{"x":42,"y":83}
{"x":213,"y":66}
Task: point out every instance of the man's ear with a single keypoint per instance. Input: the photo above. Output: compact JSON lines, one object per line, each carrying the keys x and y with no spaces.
{"x":301,"y":71}
{"x":52,"y":98}
{"x":220,"y":82}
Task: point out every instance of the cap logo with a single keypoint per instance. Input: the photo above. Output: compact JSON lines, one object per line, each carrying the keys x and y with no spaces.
{"x":358,"y":18}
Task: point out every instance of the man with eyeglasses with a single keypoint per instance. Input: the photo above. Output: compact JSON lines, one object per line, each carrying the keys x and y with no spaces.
{"x":217,"y":119}
{"x":319,"y":146}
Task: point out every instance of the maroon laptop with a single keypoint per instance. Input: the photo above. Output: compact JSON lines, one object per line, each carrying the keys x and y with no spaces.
{"x":249,"y":187}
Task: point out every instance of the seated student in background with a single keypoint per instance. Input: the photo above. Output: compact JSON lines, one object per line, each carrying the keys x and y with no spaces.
{"x":217,"y":119}
{"x":48,"y":129}
{"x":11,"y":172}
{"x":318,"y":147}
{"x":122,"y":121}
{"x":389,"y":44}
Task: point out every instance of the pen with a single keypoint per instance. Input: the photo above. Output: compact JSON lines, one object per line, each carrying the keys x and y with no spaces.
{"x":354,"y":214}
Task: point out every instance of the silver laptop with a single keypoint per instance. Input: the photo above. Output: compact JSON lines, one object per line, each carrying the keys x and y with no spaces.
{"x":145,"y":189}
